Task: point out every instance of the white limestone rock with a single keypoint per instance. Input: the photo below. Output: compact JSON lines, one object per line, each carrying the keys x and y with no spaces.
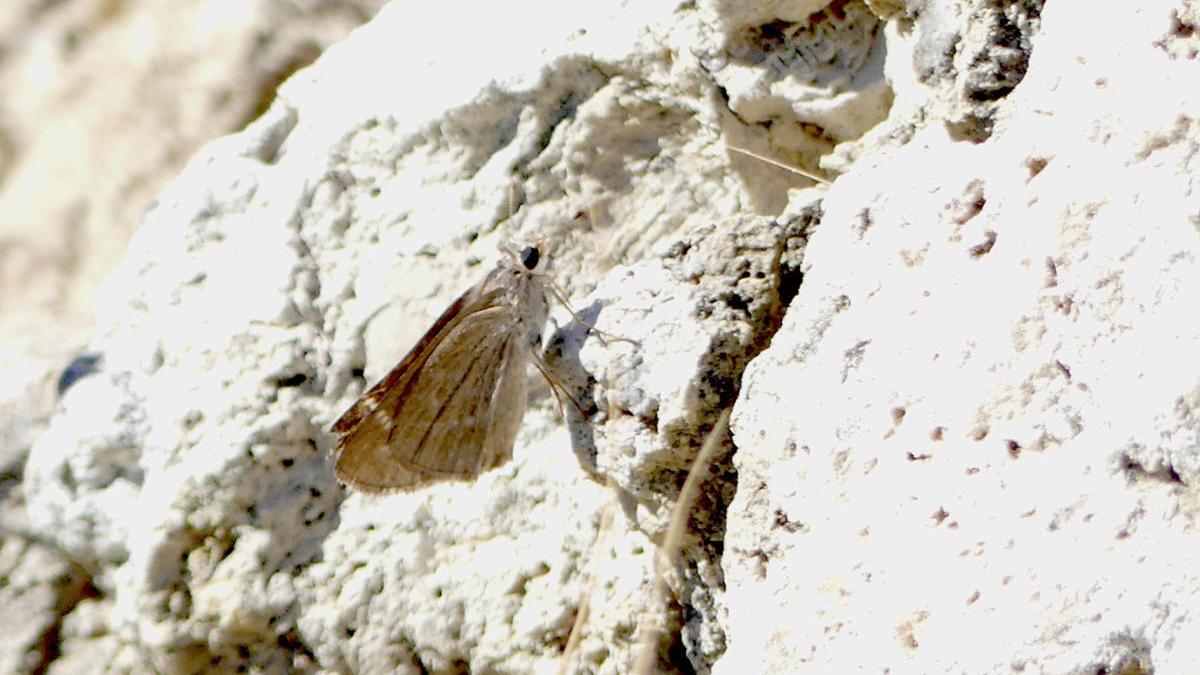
{"x":968,"y":446}
{"x":294,"y":262}
{"x":971,"y":446}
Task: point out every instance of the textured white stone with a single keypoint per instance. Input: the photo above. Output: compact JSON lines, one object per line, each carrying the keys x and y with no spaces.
{"x":964,"y":443}
{"x":970,"y":447}
{"x":102,"y":106}
{"x":191,"y":473}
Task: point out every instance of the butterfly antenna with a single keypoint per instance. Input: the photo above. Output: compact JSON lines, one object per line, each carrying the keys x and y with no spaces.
{"x":516,"y":196}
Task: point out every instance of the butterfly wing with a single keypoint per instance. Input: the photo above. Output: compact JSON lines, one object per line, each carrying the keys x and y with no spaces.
{"x":411,"y":363}
{"x":433,"y":417}
{"x":475,"y":405}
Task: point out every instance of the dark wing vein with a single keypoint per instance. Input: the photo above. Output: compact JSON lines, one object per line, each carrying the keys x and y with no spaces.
{"x":456,"y":397}
{"x":467,"y":373}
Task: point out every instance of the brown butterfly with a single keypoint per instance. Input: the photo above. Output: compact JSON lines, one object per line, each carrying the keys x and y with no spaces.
{"x":452,"y":407}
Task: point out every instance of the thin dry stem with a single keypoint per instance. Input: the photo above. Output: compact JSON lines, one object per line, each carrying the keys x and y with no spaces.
{"x":668,"y":552}
{"x":775,"y":162}
{"x":581,"y":616}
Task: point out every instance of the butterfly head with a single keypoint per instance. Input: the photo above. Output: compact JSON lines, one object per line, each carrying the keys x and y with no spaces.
{"x":529,"y":257}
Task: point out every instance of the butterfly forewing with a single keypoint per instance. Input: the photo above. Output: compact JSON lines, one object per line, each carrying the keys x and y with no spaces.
{"x":451,"y":397}
{"x":411,"y":363}
{"x":453,"y":406}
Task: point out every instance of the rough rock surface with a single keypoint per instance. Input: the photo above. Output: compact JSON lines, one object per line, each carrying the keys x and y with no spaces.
{"x":963,"y":428}
{"x":103,"y":103}
{"x":972,"y":445}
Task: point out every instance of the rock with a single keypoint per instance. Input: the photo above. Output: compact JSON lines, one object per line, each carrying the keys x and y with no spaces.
{"x":961,"y":434}
{"x":40,"y":586}
{"x":970,"y":446}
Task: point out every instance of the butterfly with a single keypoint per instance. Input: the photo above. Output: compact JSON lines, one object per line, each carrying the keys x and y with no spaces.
{"x":452,"y":407}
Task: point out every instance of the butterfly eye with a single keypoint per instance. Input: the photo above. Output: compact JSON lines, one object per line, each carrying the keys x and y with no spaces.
{"x":529,"y":257}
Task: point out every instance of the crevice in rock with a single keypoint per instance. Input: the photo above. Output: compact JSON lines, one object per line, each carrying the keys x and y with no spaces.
{"x":759,"y":275}
{"x":71,"y":586}
{"x":1137,"y":470}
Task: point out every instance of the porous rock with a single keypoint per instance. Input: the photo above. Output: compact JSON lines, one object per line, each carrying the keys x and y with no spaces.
{"x":961,"y":440}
